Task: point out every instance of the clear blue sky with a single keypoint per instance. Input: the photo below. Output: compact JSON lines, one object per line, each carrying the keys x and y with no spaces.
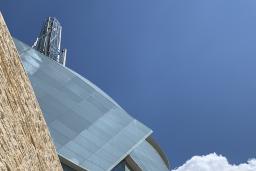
{"x":185,"y":68}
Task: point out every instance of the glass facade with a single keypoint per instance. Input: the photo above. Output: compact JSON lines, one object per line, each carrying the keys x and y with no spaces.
{"x":66,"y":167}
{"x":49,"y":40}
{"x":89,"y":129}
{"x":148,"y":158}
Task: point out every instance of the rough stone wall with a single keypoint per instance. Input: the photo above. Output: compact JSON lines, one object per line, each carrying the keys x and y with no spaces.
{"x":25,"y":142}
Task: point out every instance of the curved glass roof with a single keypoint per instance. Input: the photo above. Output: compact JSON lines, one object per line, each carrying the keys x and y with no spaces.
{"x":147,"y":158}
{"x":88,"y":128}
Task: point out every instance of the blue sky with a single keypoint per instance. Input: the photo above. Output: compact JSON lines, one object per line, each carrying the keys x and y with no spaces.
{"x":187,"y":69}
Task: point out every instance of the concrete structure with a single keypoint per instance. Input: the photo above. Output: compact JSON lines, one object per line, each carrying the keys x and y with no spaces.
{"x":25,"y":143}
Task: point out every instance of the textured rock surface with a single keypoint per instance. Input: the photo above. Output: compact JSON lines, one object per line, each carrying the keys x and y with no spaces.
{"x":25,"y":142}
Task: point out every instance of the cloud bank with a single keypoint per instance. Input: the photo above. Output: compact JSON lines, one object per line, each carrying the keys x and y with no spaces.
{"x":214,"y":162}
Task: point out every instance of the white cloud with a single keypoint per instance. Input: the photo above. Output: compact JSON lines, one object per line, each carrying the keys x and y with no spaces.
{"x":214,"y":162}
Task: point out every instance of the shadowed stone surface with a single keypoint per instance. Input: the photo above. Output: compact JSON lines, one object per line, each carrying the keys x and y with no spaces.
{"x":25,"y":142}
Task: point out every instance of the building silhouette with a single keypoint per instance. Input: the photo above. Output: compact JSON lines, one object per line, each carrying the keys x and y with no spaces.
{"x":90,"y":131}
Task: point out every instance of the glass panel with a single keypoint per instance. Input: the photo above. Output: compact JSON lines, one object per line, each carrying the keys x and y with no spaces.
{"x":71,"y":156}
{"x":58,"y":137}
{"x":88,"y":127}
{"x":78,"y":149}
{"x":21,"y":46}
{"x":119,"y":167}
{"x":63,"y":129}
{"x":148,"y":158}
{"x":66,"y":167}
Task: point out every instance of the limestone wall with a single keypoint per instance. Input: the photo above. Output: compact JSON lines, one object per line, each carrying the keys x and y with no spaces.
{"x":25,"y":142}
